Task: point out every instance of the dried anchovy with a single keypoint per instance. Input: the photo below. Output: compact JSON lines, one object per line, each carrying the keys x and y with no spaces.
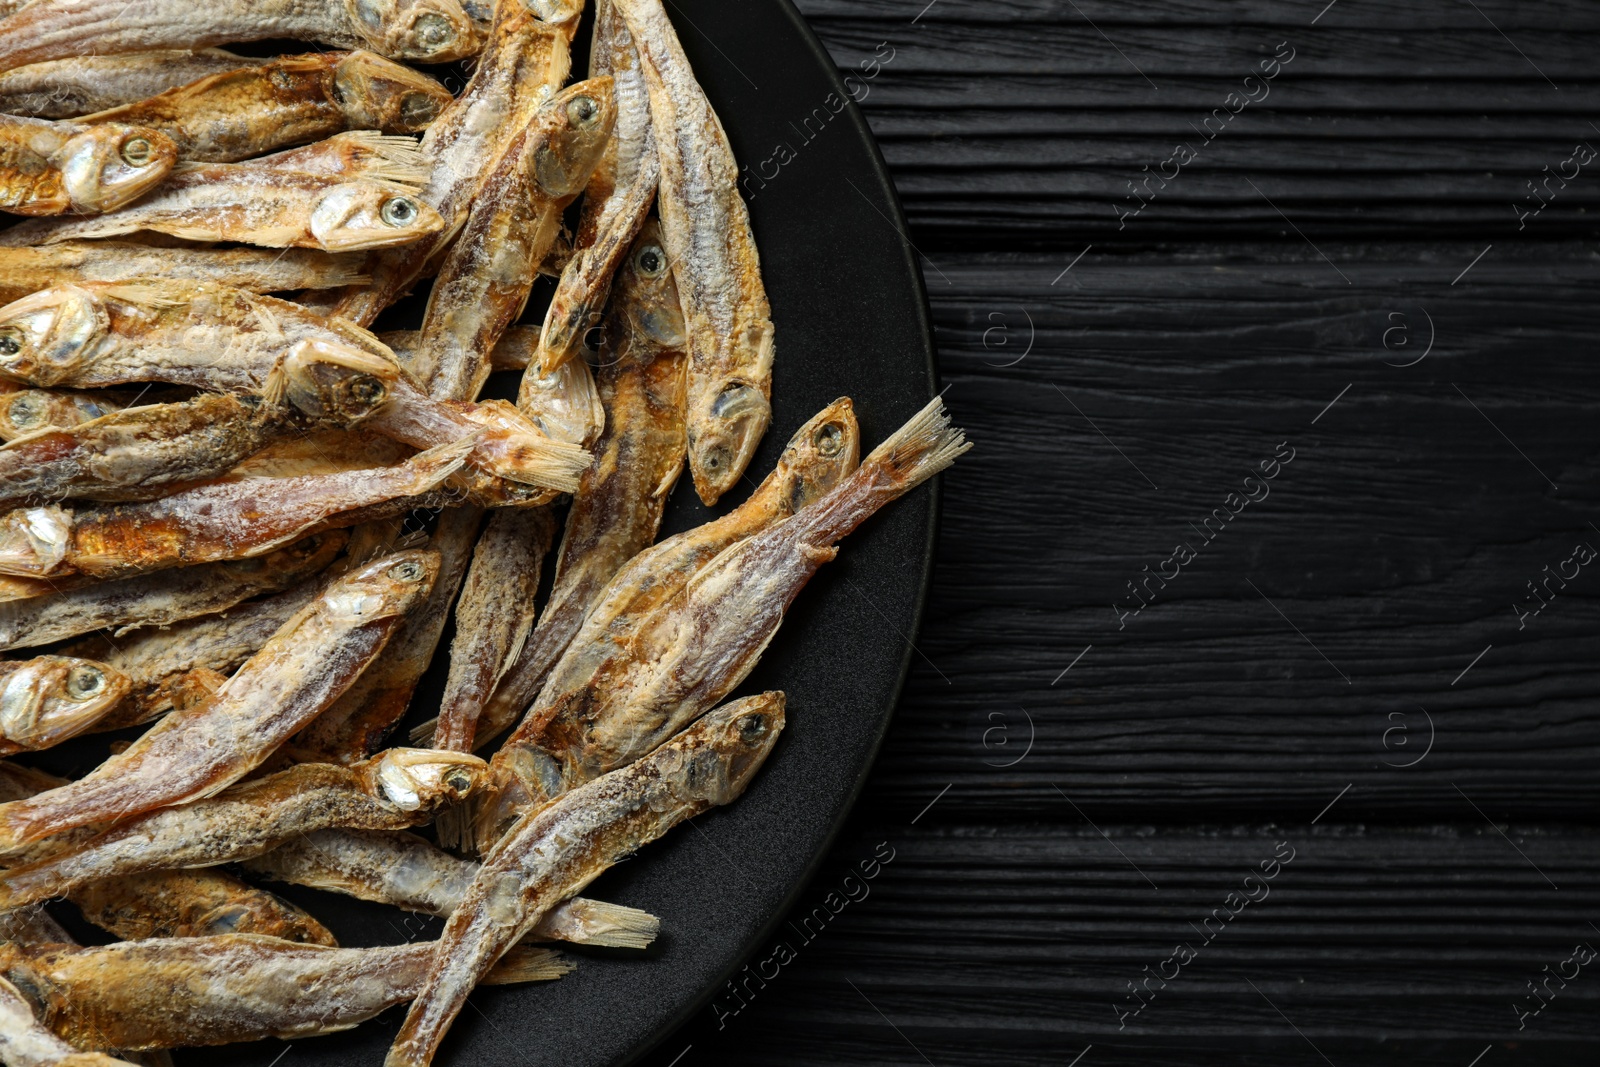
{"x":52,"y":168}
{"x":45,"y":700}
{"x":66,"y":88}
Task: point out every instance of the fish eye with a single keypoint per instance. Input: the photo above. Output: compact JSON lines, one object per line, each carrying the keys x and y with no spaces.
{"x":10,"y":341}
{"x":829,"y":439}
{"x":398,"y":212}
{"x":418,"y":109}
{"x":85,"y":682}
{"x":752,"y":727}
{"x":367,"y":390}
{"x":26,"y":410}
{"x":583,"y":112}
{"x":458,"y":780}
{"x":409,"y":571}
{"x":434,"y":32}
{"x":651,"y":261}
{"x":138,"y":151}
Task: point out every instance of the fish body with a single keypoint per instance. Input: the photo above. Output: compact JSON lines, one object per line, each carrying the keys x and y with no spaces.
{"x":552,"y":854}
{"x":707,"y":231}
{"x":404,"y":870}
{"x":820,"y":453}
{"x":428,"y":31}
{"x":172,"y":992}
{"x":159,"y":599}
{"x":56,"y":168}
{"x":356,"y":154}
{"x":24,"y":271}
{"x":202,"y":750}
{"x":198,"y":903}
{"x":616,"y":202}
{"x":257,"y":205}
{"x":238,"y":114}
{"x":524,"y":61}
{"x":81,"y":85}
{"x":26,"y":1043}
{"x":136,"y":453}
{"x":512,"y":352}
{"x":45,"y":700}
{"x":485,"y":278}
{"x":397,"y":789}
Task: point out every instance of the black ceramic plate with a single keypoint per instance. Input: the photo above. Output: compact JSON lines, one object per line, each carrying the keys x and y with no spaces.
{"x":851,"y":320}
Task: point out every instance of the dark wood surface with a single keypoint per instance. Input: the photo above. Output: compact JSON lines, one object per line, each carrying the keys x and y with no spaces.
{"x":1069,"y":792}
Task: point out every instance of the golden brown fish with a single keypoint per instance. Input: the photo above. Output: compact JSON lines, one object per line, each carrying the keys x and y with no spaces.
{"x":616,"y":202}
{"x":400,"y":788}
{"x":399,"y":868}
{"x":66,"y":88}
{"x":523,"y":62}
{"x":200,"y":751}
{"x":551,"y":854}
{"x":491,"y":266}
{"x":357,"y":154}
{"x":230,"y":520}
{"x":24,"y":1042}
{"x":227,"y":117}
{"x":24,"y":271}
{"x":45,"y":700}
{"x":617,"y":693}
{"x":180,"y":991}
{"x":200,"y":903}
{"x":821,"y":452}
{"x":515,"y":348}
{"x":257,"y":205}
{"x":713,"y":253}
{"x":136,"y":453}
{"x":56,"y":168}
{"x":428,"y":31}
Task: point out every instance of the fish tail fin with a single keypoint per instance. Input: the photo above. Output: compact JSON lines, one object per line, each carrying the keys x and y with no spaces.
{"x":422,"y":733}
{"x":394,"y":157}
{"x":618,"y":926}
{"x":454,"y":827}
{"x":923,"y":447}
{"x":529,"y":965}
{"x":441,"y":461}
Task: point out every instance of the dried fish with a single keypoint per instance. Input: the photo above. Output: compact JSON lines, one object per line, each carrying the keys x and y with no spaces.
{"x":490,"y":268}
{"x":616,"y":202}
{"x":32,"y":926}
{"x":818,"y":456}
{"x":493,"y":617}
{"x":321,"y":451}
{"x":256,"y":205}
{"x":565,"y":403}
{"x":53,"y":168}
{"x":231,"y":116}
{"x":524,"y":61}
{"x":403,"y":787}
{"x":24,"y":1042}
{"x":27,"y":411}
{"x":617,"y":693}
{"x":24,"y":271}
{"x":357,"y":154}
{"x":200,"y":903}
{"x":708,"y":238}
{"x":402,"y":869}
{"x":200,"y":751}
{"x":428,"y":31}
{"x":169,"y":992}
{"x":513,"y":351}
{"x":66,"y":88}
{"x":136,"y":453}
{"x":355,"y":726}
{"x":163,"y":598}
{"x":45,"y":700}
{"x":551,"y":854}
{"x":205,"y":335}
{"x":231,"y":520}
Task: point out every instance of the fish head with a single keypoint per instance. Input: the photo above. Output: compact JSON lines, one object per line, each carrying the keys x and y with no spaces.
{"x":31,"y":410}
{"x":306,"y":557}
{"x":361,"y":214}
{"x":423,"y":31}
{"x":34,"y":541}
{"x":413,"y":778}
{"x":553,"y":10}
{"x":379,"y":94}
{"x":52,"y":698}
{"x":337,"y":383}
{"x":46,"y":337}
{"x":388,"y":587}
{"x":725,"y":748}
{"x":818,"y":457}
{"x":110,"y":165}
{"x":564,"y":403}
{"x":647,"y":294}
{"x":723,"y":433}
{"x":575,"y":125}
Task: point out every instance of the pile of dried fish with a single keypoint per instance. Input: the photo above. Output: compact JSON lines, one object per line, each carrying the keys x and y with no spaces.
{"x":234,"y":517}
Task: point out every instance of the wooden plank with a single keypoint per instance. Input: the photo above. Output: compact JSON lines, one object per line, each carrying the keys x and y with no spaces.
{"x":1390,"y":551}
{"x":1370,"y":944}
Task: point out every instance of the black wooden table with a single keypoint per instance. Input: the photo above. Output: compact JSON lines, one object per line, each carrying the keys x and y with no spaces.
{"x":1253,"y":718}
